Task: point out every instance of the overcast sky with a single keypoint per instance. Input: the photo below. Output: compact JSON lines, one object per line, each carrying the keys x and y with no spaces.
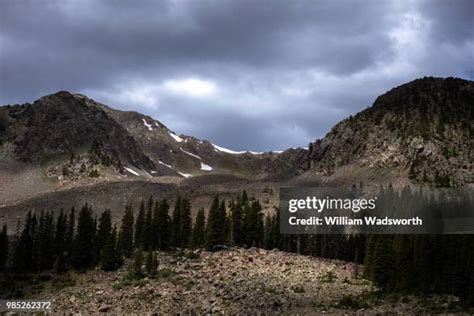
{"x":246,"y":74}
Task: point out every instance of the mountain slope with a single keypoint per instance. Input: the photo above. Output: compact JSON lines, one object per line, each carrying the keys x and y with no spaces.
{"x":422,"y":130}
{"x":63,"y":123}
{"x":67,"y":140}
{"x":191,"y":156}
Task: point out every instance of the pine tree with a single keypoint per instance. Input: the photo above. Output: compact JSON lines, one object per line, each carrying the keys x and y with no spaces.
{"x":403,"y":246}
{"x":23,"y":259}
{"x":176,"y":224}
{"x":83,"y":248}
{"x":147,"y":236}
{"x":303,"y":245}
{"x":139,"y":226}
{"x":463,"y":254}
{"x":38,"y":244}
{"x":215,"y":233}
{"x":96,"y":257}
{"x":162,"y":225}
{"x":44,"y":242}
{"x":60,"y":246}
{"x":276,"y":230}
{"x":245,"y":198}
{"x":111,"y":258}
{"x":383,"y":262}
{"x":103,"y":232}
{"x":470,"y":294}
{"x":48,"y":251}
{"x":246,"y":225}
{"x":70,"y":230}
{"x":151,"y":264}
{"x":137,"y":264}
{"x":185,"y":223}
{"x":268,"y":228}
{"x":369,"y":255}
{"x":226,"y":228}
{"x":237,"y":224}
{"x":451,"y":281}
{"x":424,"y":265}
{"x":154,"y":226}
{"x":198,"y":234}
{"x":149,"y":204}
{"x":229,"y":239}
{"x":253,"y":224}
{"x":126,"y":232}
{"x":4,"y":247}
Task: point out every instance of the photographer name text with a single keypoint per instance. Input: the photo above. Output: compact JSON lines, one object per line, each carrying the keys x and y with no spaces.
{"x":347,"y":221}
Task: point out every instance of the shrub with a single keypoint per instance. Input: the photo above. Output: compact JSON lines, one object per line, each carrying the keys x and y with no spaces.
{"x":298,"y":289}
{"x":328,"y":277}
{"x":165,"y":273}
{"x":191,"y":255}
{"x":350,"y":302}
{"x":63,"y":282}
{"x":94,"y":173}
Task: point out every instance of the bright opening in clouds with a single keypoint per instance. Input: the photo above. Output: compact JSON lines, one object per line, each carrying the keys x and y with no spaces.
{"x":244,"y":74}
{"x":190,"y":87}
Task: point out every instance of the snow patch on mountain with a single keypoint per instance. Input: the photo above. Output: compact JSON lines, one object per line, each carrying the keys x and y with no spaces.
{"x":132,"y":171}
{"x":176,"y":137}
{"x":186,"y":175}
{"x":190,"y":154}
{"x":233,"y":152}
{"x":225,"y":150}
{"x":147,"y":125}
{"x":205,"y":167}
{"x":164,"y":164}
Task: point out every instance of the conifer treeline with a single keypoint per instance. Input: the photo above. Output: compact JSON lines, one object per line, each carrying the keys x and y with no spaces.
{"x":422,"y":263}
{"x":427,"y":263}
{"x":85,"y":241}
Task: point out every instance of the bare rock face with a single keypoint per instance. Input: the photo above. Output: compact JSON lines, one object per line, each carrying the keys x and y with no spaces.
{"x":63,"y":124}
{"x":423,"y":129}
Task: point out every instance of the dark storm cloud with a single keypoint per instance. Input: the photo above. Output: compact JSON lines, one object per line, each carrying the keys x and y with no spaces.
{"x":256,"y":75}
{"x":452,"y":21}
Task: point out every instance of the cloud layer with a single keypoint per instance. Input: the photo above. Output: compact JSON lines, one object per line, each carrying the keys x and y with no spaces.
{"x":256,"y":75}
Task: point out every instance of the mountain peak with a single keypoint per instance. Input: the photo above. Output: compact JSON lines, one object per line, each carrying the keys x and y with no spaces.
{"x":418,"y":130}
{"x":63,"y":94}
{"x":62,"y":123}
{"x":429,"y":88}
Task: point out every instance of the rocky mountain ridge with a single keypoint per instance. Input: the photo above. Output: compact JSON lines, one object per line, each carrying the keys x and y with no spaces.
{"x":73,"y":135}
{"x":63,"y":127}
{"x":423,"y":130}
{"x":419,"y":133}
{"x":193,"y":156}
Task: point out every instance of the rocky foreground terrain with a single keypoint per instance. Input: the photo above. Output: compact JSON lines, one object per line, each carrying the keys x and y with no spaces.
{"x":235,"y":281}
